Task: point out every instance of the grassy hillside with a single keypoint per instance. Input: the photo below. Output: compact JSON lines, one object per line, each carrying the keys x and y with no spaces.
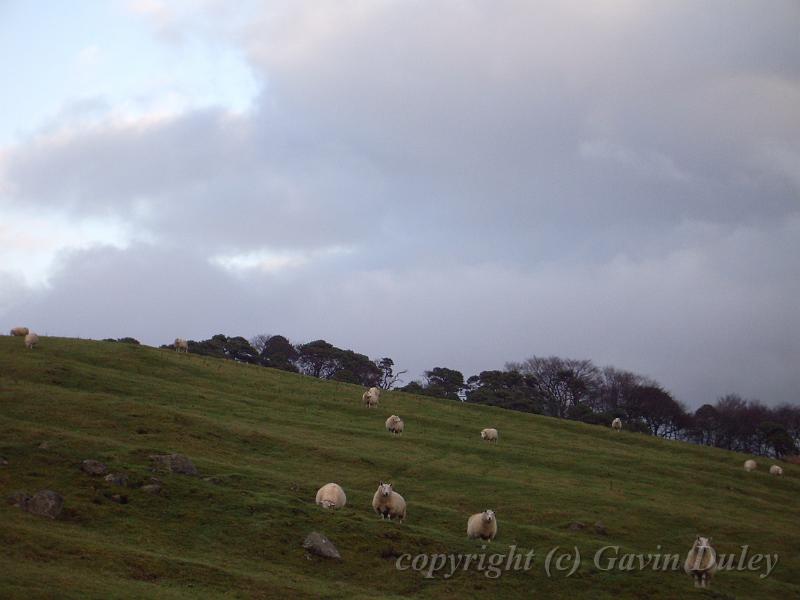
{"x":266,"y":440}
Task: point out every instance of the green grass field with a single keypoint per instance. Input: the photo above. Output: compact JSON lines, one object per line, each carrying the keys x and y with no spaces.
{"x":269,"y":439}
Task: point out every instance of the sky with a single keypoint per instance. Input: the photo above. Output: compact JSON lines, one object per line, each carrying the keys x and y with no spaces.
{"x":448,"y":183}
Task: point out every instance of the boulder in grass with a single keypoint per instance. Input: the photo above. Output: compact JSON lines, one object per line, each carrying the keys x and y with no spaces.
{"x":44,"y":503}
{"x":173,"y":463}
{"x":318,"y":544}
{"x":93,"y":467}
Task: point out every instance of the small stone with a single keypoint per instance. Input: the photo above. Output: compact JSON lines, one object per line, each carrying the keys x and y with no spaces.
{"x":600,"y":528}
{"x":3,"y":462}
{"x":44,"y":446}
{"x":576,"y":526}
{"x":174,"y":463}
{"x":119,"y":479}
{"x":119,"y":498}
{"x":45,"y":503}
{"x":93,"y":467}
{"x":214,"y":480}
{"x":152,"y":488}
{"x":318,"y":544}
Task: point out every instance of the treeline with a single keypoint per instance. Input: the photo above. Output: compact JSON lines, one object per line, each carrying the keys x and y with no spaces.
{"x":579,"y":390}
{"x":552,"y":386}
{"x":317,"y":359}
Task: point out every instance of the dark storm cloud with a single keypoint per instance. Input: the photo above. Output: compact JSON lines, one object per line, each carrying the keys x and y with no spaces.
{"x":614,"y":181}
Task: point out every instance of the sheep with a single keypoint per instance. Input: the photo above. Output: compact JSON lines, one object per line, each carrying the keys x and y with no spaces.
{"x":31,"y":340}
{"x":181,"y":345}
{"x":701,"y":562}
{"x":490,"y":435}
{"x":371,"y":397}
{"x":331,"y":495}
{"x":482,"y":525}
{"x":388,"y":503}
{"x":776,"y":470}
{"x":20,"y":331}
{"x":616,"y":424}
{"x":395,"y":425}
{"x":750,"y":465}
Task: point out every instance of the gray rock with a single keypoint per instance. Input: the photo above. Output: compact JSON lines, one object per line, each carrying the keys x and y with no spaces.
{"x":600,"y":528}
{"x":576,"y":526}
{"x":93,"y":467}
{"x":174,"y":463}
{"x":152,"y":488}
{"x":120,"y":479}
{"x":318,"y":544}
{"x":45,"y":503}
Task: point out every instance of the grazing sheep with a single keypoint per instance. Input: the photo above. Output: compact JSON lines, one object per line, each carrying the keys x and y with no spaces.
{"x":20,"y":331}
{"x":331,"y":495}
{"x":388,"y":503}
{"x":776,"y":470}
{"x":395,"y":425}
{"x":31,"y":340}
{"x":371,"y":397}
{"x":482,"y":525}
{"x":490,"y":435}
{"x":701,"y":562}
{"x":616,"y":424}
{"x":750,"y":465}
{"x":181,"y":345}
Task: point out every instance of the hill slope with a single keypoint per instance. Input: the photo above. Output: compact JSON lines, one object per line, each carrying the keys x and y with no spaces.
{"x":269,"y":439}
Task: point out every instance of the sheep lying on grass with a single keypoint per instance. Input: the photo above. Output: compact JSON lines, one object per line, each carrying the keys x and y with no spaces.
{"x":331,"y":495}
{"x":482,"y":525}
{"x":750,"y":465}
{"x":388,"y":503}
{"x":701,"y":562}
{"x":395,"y":425}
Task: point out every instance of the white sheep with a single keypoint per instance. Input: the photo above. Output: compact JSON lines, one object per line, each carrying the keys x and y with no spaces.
{"x":490,"y":435}
{"x":181,"y":345}
{"x":616,"y":424}
{"x":701,"y":562}
{"x":482,"y":525}
{"x":331,"y":495}
{"x":395,"y":425}
{"x":388,"y":503}
{"x":776,"y":470}
{"x":31,"y":340}
{"x":371,"y":397}
{"x":750,"y":465}
{"x":20,"y":331}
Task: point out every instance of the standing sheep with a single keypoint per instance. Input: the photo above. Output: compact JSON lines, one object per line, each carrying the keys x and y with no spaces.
{"x":20,"y":331}
{"x":482,"y":525}
{"x":701,"y":562}
{"x":616,"y":424}
{"x":331,"y":495}
{"x":371,"y":397}
{"x":776,"y":470}
{"x":490,"y":435}
{"x":395,"y":425}
{"x":388,"y":503}
{"x":181,"y":345}
{"x":750,"y":465}
{"x":31,"y":340}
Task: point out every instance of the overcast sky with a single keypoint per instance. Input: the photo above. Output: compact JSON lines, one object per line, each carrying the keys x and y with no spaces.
{"x":448,"y":183}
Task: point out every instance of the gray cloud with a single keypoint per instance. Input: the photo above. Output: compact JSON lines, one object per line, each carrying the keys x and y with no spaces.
{"x":616,"y":182}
